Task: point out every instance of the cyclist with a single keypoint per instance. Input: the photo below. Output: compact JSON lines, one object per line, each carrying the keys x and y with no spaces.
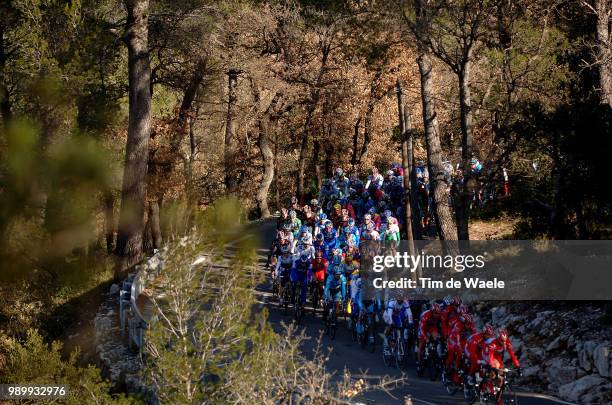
{"x":330,"y":238}
{"x":319,"y":245}
{"x":342,"y":182}
{"x":320,"y":223}
{"x":319,"y":267}
{"x":375,"y":180}
{"x":295,"y":206}
{"x":282,"y":270}
{"x":300,"y":270}
{"x":494,"y":348}
{"x":283,"y":219}
{"x":474,"y":349}
{"x":347,"y":239}
{"x":371,"y":233}
{"x":428,"y":328}
{"x":460,"y":330}
{"x":353,"y":228}
{"x":449,"y":313}
{"x":296,"y":223}
{"x":315,"y":206}
{"x":335,"y":289}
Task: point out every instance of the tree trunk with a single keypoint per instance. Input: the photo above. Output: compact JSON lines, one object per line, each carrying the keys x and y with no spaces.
{"x":109,"y":221}
{"x":186,"y":105}
{"x":404,"y":124}
{"x":302,"y":166}
{"x":155,"y":224}
{"x":131,"y":221}
{"x":268,"y":174}
{"x":316,"y":156}
{"x":277,"y":200}
{"x":231,"y":143}
{"x":355,"y":144}
{"x":444,"y":218}
{"x":603,"y":10}
{"x":5,"y":101}
{"x":465,"y":100}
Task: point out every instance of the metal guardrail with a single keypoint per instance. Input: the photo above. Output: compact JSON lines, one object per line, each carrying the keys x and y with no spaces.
{"x":131,"y":318}
{"x":130,"y":314}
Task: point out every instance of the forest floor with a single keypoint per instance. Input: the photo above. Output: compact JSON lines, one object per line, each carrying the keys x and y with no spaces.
{"x":498,"y":228}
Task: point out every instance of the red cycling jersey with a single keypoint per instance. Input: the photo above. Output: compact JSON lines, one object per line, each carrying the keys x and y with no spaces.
{"x":428,"y":324}
{"x":448,"y":317}
{"x":493,"y":353}
{"x":319,"y":268}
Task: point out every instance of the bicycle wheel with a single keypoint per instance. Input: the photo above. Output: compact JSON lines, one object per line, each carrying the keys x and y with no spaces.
{"x":510,"y":398}
{"x":387,"y":356}
{"x":449,"y":385}
{"x":469,"y":393}
{"x":420,"y":369}
{"x":334,"y":327}
{"x":432,"y":369}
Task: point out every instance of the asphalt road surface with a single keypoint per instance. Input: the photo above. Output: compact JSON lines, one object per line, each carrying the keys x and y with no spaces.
{"x":348,"y":355}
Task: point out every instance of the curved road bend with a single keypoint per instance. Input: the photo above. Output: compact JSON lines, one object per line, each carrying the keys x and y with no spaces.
{"x":348,"y":354}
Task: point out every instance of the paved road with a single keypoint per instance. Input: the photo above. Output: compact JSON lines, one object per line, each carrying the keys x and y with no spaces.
{"x":347,"y":354}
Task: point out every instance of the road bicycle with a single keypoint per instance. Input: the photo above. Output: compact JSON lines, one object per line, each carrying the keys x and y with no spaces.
{"x":331,"y":318}
{"x":394,"y":352}
{"x":316,"y":293}
{"x":298,"y":305}
{"x":432,"y":360}
{"x":494,"y":387}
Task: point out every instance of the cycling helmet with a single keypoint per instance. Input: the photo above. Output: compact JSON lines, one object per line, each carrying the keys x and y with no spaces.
{"x":285,"y":249}
{"x":365,"y":195}
{"x":389,"y":172}
{"x":326,"y":182}
{"x":284,"y":211}
{"x":370,"y":226}
{"x":320,"y":236}
{"x":488,"y":329}
{"x":367,"y":217}
{"x":351,"y":222}
{"x":314,"y":202}
{"x":503,"y":335}
{"x":436,"y":309}
{"x":305,"y":255}
{"x":292,"y":213}
{"x":339,"y":172}
{"x":337,"y":206}
{"x":457,"y":300}
{"x":286,"y":227}
{"x":372,"y":211}
{"x":322,"y":217}
{"x":343,"y":201}
{"x":447,"y":300}
{"x":306,"y":239}
{"x":328,"y":224}
{"x":294,"y":200}
{"x":388,"y":213}
{"x":337,"y":259}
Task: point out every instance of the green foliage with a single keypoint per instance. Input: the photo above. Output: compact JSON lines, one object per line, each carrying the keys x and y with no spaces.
{"x":35,"y":362}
